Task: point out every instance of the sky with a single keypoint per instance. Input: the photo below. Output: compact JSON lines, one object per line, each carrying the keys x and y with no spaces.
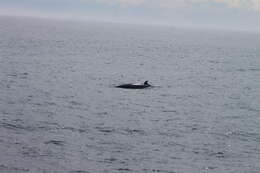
{"x":223,"y":14}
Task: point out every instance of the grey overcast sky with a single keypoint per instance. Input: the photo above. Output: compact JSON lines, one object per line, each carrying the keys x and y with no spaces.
{"x":229,"y":14}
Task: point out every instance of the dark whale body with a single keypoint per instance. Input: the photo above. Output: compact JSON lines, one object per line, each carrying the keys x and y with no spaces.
{"x":134,"y":86}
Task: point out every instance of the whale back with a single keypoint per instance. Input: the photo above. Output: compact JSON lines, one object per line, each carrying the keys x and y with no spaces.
{"x":134,"y":86}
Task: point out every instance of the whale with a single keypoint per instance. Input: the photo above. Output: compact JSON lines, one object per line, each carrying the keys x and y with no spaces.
{"x":135,"y":86}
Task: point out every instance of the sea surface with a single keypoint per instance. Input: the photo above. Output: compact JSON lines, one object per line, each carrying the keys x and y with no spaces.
{"x":60,"y":111}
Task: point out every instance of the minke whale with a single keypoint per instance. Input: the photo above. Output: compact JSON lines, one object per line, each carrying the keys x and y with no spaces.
{"x":135,"y":86}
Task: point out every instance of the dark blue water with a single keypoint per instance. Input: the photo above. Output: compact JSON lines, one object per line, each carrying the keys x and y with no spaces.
{"x":60,"y":112}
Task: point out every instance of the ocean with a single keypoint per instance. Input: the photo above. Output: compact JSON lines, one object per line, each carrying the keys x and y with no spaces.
{"x":61,"y":113}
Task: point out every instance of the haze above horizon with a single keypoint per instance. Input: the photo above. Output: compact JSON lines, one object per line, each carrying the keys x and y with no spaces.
{"x":219,"y":14}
